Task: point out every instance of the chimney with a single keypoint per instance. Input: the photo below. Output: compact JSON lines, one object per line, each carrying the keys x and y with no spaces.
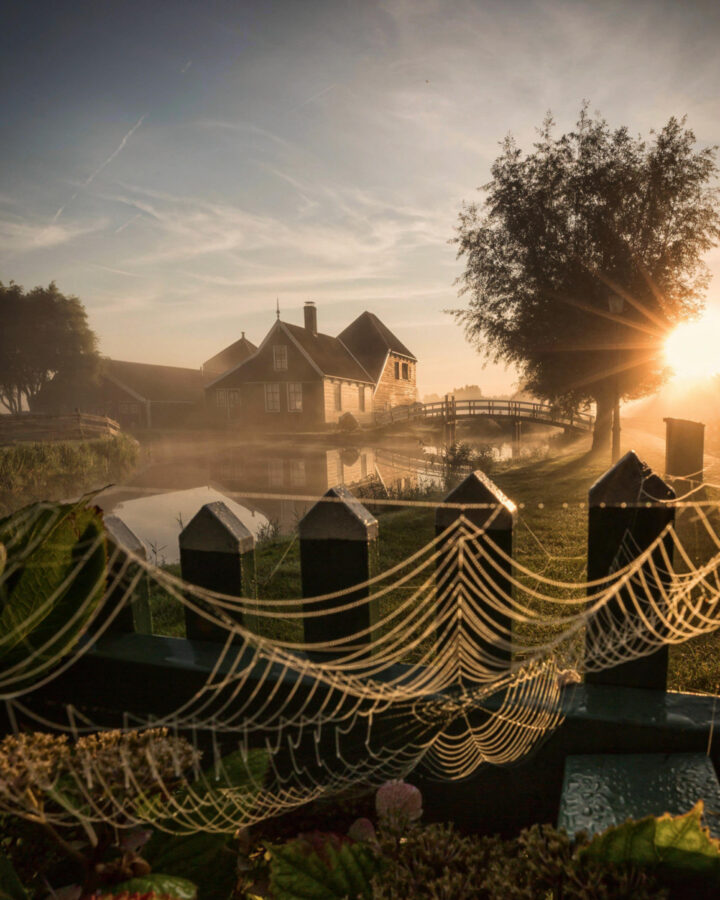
{"x":310,"y":317}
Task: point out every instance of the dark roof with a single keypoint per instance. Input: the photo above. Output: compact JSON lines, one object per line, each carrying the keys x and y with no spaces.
{"x":157,"y":383}
{"x":329,"y":354}
{"x":369,"y":341}
{"x":228,"y":358}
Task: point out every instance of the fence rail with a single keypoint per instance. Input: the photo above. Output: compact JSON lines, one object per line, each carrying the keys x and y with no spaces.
{"x":542,"y":413}
{"x":26,"y":427}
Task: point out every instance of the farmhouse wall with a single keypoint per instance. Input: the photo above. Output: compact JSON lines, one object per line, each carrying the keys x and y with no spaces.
{"x":392,"y":391}
{"x":349,"y":400}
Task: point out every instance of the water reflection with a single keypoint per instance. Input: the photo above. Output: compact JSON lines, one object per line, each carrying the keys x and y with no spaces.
{"x":259,"y":482}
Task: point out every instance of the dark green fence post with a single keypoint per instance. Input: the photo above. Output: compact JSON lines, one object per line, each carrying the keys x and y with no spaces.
{"x":335,"y":540}
{"x":215,"y":554}
{"x":135,"y":614}
{"x":629,"y":507}
{"x":470,"y":610}
{"x":684,"y":450}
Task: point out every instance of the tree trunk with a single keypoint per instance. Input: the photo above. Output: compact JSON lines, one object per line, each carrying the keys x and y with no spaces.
{"x":603,"y":421}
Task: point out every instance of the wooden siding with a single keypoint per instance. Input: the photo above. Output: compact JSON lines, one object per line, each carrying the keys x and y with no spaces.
{"x":350,"y":400}
{"x":392,"y":391}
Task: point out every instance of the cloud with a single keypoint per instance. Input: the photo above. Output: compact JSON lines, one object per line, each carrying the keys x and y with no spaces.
{"x":115,"y":152}
{"x":20,"y":237}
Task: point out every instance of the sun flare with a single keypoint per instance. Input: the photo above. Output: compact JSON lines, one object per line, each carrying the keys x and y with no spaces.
{"x":693,"y":348}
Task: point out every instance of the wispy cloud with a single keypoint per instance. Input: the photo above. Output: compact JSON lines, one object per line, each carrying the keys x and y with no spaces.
{"x":186,"y":67}
{"x":116,"y":151}
{"x":129,"y":222}
{"x":21,"y":237}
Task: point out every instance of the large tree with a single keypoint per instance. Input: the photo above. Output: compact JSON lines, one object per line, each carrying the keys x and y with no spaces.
{"x":586,"y":252}
{"x":42,"y":333}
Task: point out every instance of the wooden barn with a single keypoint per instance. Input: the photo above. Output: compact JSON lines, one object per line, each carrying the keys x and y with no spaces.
{"x":137,"y":395}
{"x":301,"y":379}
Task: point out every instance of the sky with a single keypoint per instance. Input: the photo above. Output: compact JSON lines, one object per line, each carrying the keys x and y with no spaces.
{"x":180,"y":165}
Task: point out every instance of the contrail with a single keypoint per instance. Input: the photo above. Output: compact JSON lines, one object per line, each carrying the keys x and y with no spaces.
{"x":116,"y":150}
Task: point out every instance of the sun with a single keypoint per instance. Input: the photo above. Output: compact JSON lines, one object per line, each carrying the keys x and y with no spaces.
{"x":692,"y":350}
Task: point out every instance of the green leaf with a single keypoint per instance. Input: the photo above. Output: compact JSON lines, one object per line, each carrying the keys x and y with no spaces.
{"x":10,"y":887}
{"x":677,"y":843}
{"x":53,"y":551}
{"x":299,"y":872}
{"x":165,"y":885}
{"x":206,"y":859}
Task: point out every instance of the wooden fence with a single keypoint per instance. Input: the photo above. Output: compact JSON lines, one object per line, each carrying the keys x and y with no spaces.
{"x":622,"y":709}
{"x":26,"y":427}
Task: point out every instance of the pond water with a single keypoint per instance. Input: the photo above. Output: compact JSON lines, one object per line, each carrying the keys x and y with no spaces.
{"x":269,"y":486}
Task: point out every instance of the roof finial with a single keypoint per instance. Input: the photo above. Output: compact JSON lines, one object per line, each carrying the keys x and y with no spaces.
{"x":277,"y":307}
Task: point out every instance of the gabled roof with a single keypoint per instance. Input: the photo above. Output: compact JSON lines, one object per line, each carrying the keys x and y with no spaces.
{"x":329,"y":354}
{"x":158,"y":383}
{"x":370,"y":341}
{"x":228,"y":358}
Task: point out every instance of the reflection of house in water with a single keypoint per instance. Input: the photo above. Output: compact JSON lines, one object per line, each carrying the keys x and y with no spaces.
{"x":304,"y":471}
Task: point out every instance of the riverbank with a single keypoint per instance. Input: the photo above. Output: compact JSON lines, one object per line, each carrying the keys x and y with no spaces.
{"x":60,"y":469}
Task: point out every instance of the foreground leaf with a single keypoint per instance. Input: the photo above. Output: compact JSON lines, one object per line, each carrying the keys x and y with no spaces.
{"x":339,"y":870}
{"x":10,"y":887}
{"x":54,"y":575}
{"x":163,"y":885}
{"x":677,"y":843}
{"x":206,"y":859}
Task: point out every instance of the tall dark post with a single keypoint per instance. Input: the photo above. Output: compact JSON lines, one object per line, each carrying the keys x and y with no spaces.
{"x":135,"y":614}
{"x":335,"y":539}
{"x":215,"y":554}
{"x":488,"y":643}
{"x":629,"y":507}
{"x":684,"y":449}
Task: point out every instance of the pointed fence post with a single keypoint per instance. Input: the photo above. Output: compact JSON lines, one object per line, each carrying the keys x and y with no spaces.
{"x":215,"y":554}
{"x":135,"y":615}
{"x":629,"y":506}
{"x":335,"y":539}
{"x":489,"y":629}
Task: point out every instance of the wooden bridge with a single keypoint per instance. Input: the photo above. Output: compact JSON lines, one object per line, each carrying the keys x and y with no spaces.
{"x":450,"y":410}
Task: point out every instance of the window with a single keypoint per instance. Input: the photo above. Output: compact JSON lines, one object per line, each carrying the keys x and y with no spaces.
{"x":361,"y":398}
{"x":405,"y":373}
{"x":294,"y":396}
{"x":297,"y":472}
{"x":275,"y":473}
{"x":397,"y":369}
{"x":279,"y":357}
{"x":233,"y":397}
{"x":338,"y":397}
{"x":221,"y":398}
{"x":272,"y":398}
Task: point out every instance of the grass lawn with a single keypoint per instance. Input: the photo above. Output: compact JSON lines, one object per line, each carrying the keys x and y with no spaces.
{"x":550,"y":539}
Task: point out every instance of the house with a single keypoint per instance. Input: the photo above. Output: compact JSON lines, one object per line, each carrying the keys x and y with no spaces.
{"x":137,"y":395}
{"x":301,"y":379}
{"x":228,"y":358}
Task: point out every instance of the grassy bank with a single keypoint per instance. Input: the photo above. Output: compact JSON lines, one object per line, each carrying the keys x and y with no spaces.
{"x":61,"y":469}
{"x":550,"y":539}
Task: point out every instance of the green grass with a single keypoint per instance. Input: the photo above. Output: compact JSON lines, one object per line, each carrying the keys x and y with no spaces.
{"x":550,"y":538}
{"x":56,"y":470}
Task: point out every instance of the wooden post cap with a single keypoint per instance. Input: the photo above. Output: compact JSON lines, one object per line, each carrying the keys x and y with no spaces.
{"x":478,"y":488}
{"x":630,"y":480}
{"x":215,"y":528}
{"x":122,"y":536}
{"x":342,"y":517}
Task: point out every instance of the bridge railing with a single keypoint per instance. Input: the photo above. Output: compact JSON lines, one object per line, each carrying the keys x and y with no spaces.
{"x":518,"y":409}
